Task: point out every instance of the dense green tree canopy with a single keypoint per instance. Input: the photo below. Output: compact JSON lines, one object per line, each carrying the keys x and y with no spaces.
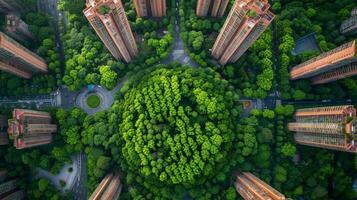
{"x":178,"y":124}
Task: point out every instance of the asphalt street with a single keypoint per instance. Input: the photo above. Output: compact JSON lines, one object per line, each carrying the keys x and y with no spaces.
{"x":79,"y":190}
{"x":50,"y":7}
{"x":66,"y":99}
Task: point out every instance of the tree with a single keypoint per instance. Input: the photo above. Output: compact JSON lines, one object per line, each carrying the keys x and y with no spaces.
{"x":288,"y":150}
{"x":109,"y":77}
{"x":280,"y":174}
{"x":185,"y":130}
{"x":43,"y":184}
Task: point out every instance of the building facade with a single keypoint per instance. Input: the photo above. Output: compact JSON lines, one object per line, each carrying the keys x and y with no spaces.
{"x":215,"y":8}
{"x":350,"y":25}
{"x":17,"y":28}
{"x":109,"y":189}
{"x":17,"y":195}
{"x":252,"y":188}
{"x":146,"y":8}
{"x":246,"y":21}
{"x":331,"y":127}
{"x":18,"y":60}
{"x":8,"y":188}
{"x":30,"y":128}
{"x":345,"y":71}
{"x":325,"y":62}
{"x":108,"y":19}
{"x":7,"y":6}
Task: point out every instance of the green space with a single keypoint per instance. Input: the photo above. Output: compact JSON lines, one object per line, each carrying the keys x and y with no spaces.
{"x":93,"y":101}
{"x":178,"y":132}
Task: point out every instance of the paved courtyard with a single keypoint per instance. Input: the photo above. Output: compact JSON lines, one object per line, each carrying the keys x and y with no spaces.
{"x":64,"y":175}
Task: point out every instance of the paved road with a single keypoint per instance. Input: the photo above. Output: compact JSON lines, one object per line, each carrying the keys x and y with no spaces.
{"x":37,"y":101}
{"x":79,"y":190}
{"x":179,"y":54}
{"x":106,"y":99}
{"x":119,"y":86}
{"x":67,"y":99}
{"x":325,"y":102}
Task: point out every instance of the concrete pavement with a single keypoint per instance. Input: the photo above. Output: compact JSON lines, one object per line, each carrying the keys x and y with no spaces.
{"x":64,"y":174}
{"x":179,"y":54}
{"x":79,"y":189}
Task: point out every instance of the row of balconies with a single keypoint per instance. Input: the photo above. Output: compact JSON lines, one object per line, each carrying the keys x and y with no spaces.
{"x":324,"y":62}
{"x":250,"y":187}
{"x":337,"y":74}
{"x":109,"y":189}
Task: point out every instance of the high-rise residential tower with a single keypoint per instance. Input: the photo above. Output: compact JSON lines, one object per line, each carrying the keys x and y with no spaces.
{"x":30,"y":128}
{"x":18,"y":60}
{"x":246,"y":21}
{"x":16,"y":195}
{"x":216,"y":8}
{"x":329,"y":66}
{"x":331,"y":127}
{"x":7,"y":6}
{"x":345,"y":71}
{"x":109,"y":21}
{"x":8,"y":189}
{"x":146,"y":8}
{"x":17,"y":28}
{"x":350,"y":24}
{"x":109,"y":189}
{"x":252,"y":188}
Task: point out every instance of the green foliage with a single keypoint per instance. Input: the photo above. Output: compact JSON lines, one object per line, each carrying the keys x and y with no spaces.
{"x":104,"y":9}
{"x":42,"y":44}
{"x":178,"y":127}
{"x":93,"y":101}
{"x":299,"y":18}
{"x":288,"y":150}
{"x":109,"y":77}
{"x":43,"y":184}
{"x":280,"y":174}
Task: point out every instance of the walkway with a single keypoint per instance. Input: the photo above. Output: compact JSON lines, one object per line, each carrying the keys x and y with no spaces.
{"x":179,"y":54}
{"x":64,"y":175}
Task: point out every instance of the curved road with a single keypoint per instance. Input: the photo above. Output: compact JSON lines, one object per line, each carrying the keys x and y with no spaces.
{"x":67,"y":99}
{"x":106,"y":99}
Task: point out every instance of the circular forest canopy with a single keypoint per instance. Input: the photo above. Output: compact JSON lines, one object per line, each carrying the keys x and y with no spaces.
{"x":179,"y":125}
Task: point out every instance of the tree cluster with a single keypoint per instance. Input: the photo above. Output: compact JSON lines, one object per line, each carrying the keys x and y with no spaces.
{"x":43,"y":44}
{"x":178,"y":126}
{"x":299,"y":18}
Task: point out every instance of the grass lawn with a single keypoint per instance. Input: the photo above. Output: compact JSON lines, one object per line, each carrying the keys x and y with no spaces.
{"x":93,"y":101}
